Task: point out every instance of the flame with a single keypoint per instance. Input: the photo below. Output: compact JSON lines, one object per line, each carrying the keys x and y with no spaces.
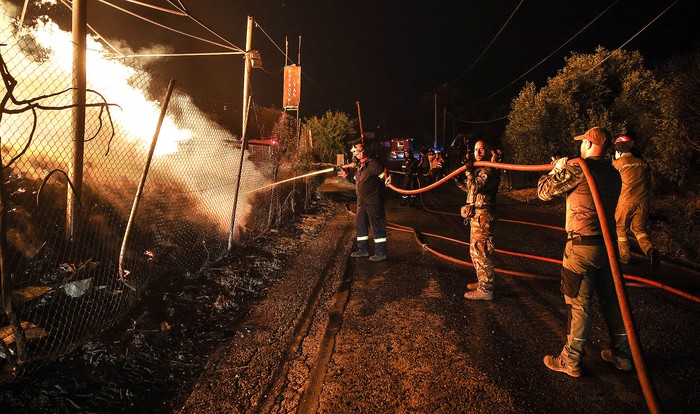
{"x":111,"y":78}
{"x":135,"y":122}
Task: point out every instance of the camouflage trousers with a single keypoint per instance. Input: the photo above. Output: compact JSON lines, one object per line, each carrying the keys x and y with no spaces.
{"x":632,"y":217}
{"x":481,"y":248}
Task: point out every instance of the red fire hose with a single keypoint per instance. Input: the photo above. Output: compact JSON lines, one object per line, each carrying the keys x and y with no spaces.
{"x":635,"y":345}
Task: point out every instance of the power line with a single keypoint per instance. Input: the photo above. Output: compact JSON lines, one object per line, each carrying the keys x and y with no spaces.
{"x":207,"y":28}
{"x":631,"y":38}
{"x":489,"y":45}
{"x":477,"y":122}
{"x":231,"y":47}
{"x":151,"y":6}
{"x":272,"y":41}
{"x":548,"y":56}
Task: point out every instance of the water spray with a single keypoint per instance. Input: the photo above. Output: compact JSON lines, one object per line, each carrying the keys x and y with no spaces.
{"x":327,"y":170}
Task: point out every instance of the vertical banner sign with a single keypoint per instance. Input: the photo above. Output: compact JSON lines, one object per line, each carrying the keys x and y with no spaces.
{"x":292,"y":86}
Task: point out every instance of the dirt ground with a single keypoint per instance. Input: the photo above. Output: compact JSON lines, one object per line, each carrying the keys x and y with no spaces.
{"x":398,"y":336}
{"x":291,"y":324}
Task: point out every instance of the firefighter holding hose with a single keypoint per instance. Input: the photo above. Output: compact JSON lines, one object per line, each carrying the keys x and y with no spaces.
{"x":368,"y":178}
{"x":481,"y":186}
{"x":633,"y":208}
{"x":585,"y":267}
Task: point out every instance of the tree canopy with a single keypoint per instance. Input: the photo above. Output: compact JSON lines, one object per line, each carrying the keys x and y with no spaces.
{"x":611,"y":89}
{"x":331,"y":134}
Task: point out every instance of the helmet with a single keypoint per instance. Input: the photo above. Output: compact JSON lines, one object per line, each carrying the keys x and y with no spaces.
{"x":624,"y":144}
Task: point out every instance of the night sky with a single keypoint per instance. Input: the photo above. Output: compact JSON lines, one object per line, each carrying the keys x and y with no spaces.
{"x":393,"y":56}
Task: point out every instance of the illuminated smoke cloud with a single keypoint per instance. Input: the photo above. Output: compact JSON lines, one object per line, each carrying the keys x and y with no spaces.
{"x":191,"y":140}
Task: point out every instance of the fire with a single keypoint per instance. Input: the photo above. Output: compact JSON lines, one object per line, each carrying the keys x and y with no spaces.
{"x":111,"y":78}
{"x":206,"y":172}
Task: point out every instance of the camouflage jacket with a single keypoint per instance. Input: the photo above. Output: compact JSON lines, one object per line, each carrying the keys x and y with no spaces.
{"x":581,"y":215}
{"x":481,"y":186}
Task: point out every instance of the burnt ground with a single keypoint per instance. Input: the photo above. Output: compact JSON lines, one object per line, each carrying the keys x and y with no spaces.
{"x":150,"y":362}
{"x":291,"y":324}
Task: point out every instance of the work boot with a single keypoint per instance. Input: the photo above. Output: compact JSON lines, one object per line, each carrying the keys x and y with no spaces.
{"x":623,"y":364}
{"x":359,"y":253}
{"x":472,"y":286}
{"x":654,"y":258}
{"x":378,"y":257}
{"x":478,"y":295}
{"x":555,"y":363}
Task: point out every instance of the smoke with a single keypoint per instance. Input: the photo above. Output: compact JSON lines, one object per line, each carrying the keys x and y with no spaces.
{"x":192,"y":156}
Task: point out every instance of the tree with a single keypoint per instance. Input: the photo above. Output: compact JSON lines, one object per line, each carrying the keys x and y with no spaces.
{"x":681,"y":104}
{"x":331,"y":134}
{"x":609,"y":89}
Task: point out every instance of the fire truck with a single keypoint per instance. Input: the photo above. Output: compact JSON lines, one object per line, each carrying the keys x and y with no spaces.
{"x":398,"y":146}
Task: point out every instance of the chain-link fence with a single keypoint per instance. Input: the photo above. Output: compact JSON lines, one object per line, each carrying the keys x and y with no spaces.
{"x":62,"y":287}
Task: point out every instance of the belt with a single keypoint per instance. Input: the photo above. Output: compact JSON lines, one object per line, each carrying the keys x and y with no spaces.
{"x":579,"y":240}
{"x":481,"y":205}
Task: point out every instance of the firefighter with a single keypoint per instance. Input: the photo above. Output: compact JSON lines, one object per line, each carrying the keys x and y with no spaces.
{"x":368,"y":178}
{"x":585,"y":267}
{"x":632,"y":213}
{"x":481,"y":186}
{"x":410,"y":179}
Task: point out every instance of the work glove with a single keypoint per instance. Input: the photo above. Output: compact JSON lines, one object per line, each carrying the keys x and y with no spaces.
{"x":496,"y":155}
{"x":469,"y":163}
{"x":388,"y":180}
{"x":559,"y":164}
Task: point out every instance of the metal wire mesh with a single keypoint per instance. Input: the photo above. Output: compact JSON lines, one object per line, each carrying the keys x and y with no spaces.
{"x":66,"y":289}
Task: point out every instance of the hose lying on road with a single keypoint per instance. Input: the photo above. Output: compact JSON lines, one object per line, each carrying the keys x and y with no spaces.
{"x":546,"y":226}
{"x":635,"y":345}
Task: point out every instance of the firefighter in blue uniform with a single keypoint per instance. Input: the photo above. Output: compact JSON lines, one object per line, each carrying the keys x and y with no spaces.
{"x":369,"y":181}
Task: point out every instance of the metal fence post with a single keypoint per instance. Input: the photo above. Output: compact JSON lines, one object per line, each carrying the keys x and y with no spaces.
{"x":139,"y":190}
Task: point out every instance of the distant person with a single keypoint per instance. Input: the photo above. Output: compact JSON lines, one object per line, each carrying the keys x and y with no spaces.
{"x":481,"y":186}
{"x":436,"y":164}
{"x":423,"y":166}
{"x":369,"y":180}
{"x":632,"y":213}
{"x":585,"y":268}
{"x":410,"y":179}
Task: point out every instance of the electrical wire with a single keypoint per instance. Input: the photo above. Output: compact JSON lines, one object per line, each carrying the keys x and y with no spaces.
{"x":169,"y":28}
{"x":210,"y":30}
{"x":632,"y":38}
{"x":273,"y":42}
{"x":151,"y":6}
{"x":181,"y":54}
{"x":489,"y":45}
{"x":547,"y":57}
{"x":478,"y":122}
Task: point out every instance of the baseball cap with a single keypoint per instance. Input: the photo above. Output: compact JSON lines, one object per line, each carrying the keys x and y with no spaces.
{"x":597,"y":135}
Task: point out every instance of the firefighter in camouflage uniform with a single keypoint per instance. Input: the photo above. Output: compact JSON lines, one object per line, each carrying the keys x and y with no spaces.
{"x":481,"y":186}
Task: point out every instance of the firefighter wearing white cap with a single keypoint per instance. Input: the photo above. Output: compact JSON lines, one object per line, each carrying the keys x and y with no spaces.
{"x":369,"y":180}
{"x":632,"y":213}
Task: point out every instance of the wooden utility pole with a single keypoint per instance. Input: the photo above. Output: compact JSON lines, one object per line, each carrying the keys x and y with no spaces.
{"x":75,"y":168}
{"x":444,"y":126}
{"x":246,"y":75}
{"x":359,"y":118}
{"x":436,"y":122}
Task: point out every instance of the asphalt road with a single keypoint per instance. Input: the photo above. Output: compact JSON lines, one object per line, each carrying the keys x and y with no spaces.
{"x":344,"y":335}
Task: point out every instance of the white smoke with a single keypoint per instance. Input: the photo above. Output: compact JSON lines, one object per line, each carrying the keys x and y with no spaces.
{"x":191,"y":148}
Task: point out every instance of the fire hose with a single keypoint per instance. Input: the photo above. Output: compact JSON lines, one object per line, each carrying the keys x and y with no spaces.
{"x":635,"y":345}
